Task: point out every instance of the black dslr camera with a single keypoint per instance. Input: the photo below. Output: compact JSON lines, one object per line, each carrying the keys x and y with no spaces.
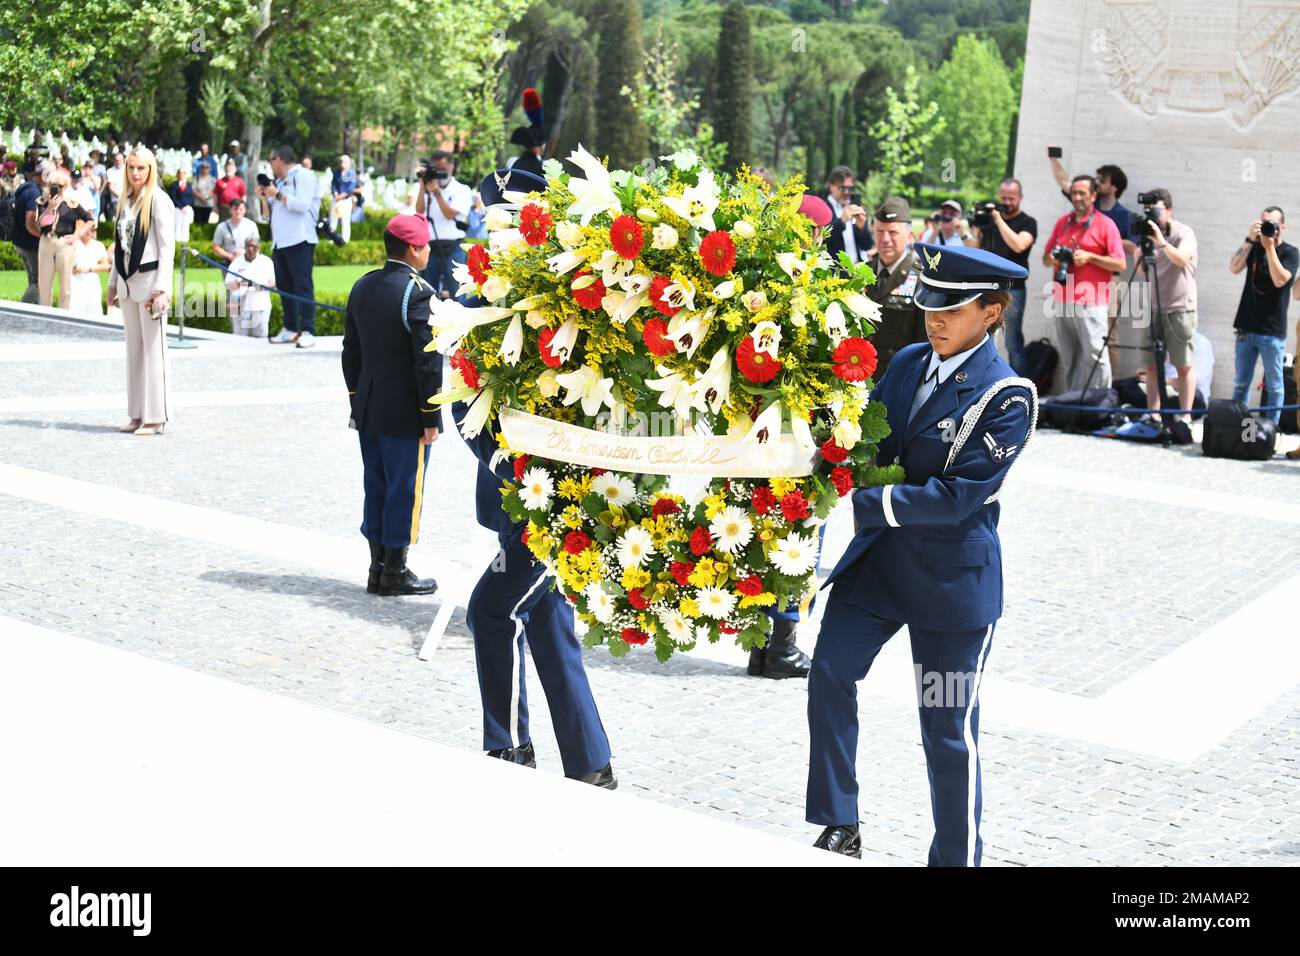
{"x":982,"y":214}
{"x":1268,"y":227}
{"x":323,"y":229}
{"x":428,"y":174}
{"x":1149,"y":221}
{"x":1064,"y":257}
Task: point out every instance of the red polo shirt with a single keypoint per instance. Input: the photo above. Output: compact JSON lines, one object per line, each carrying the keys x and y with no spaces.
{"x":228,"y":189}
{"x":1090,"y":284}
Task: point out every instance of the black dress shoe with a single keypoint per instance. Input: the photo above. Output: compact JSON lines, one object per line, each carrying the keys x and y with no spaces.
{"x":603,"y":778}
{"x":397,"y":578}
{"x":376,"y":567}
{"x":523,"y":756}
{"x":844,"y":840}
{"x":780,"y":658}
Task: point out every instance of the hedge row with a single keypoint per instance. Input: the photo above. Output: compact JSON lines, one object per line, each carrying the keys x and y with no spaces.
{"x":365,"y":252}
{"x":328,"y":322}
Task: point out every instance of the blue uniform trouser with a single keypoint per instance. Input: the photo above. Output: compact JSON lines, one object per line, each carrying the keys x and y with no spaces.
{"x":950,"y":665}
{"x":293,"y":266}
{"x":513,"y":600}
{"x":394,"y":484}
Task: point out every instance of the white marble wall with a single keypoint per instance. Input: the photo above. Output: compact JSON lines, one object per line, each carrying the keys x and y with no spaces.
{"x":1197,"y":96}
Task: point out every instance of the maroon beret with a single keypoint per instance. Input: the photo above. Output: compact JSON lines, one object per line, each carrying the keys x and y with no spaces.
{"x":816,"y":209}
{"x":411,"y":229}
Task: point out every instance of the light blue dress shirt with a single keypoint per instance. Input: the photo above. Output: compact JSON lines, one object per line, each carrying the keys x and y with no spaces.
{"x":937,"y":372}
{"x":295,"y":208}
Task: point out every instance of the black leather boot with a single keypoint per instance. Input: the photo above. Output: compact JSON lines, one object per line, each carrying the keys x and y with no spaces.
{"x":845,"y":840}
{"x":397,"y":578}
{"x":603,"y":778}
{"x":376,"y":567}
{"x":780,"y":658}
{"x":524,"y":756}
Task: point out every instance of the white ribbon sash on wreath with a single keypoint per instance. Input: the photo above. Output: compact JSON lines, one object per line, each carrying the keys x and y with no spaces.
{"x":712,"y":456}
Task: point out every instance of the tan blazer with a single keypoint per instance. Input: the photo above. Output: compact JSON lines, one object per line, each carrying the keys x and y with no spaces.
{"x":160,"y":245}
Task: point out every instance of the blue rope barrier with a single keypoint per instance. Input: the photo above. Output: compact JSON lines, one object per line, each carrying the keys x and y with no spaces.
{"x":225,"y":270}
{"x":1134,"y":410}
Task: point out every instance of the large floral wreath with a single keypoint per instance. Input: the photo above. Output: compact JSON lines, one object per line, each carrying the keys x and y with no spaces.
{"x":666,"y":302}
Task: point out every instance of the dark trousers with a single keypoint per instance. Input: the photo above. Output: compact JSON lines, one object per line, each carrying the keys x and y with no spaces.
{"x":394,"y":485}
{"x":293,"y":274}
{"x":1015,"y":328}
{"x":514,"y":601}
{"x":950,"y":666}
{"x":442,"y":260}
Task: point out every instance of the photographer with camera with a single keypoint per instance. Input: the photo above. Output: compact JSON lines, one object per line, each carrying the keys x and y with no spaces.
{"x":444,"y":202}
{"x":1270,"y":265}
{"x":294,"y":206}
{"x":848,"y":232}
{"x":1173,"y":248}
{"x":1085,"y":249}
{"x":1006,"y":230}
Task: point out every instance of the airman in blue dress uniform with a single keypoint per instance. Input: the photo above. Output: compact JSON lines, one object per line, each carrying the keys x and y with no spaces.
{"x":514,"y":601}
{"x":390,"y":378}
{"x":926,"y":553}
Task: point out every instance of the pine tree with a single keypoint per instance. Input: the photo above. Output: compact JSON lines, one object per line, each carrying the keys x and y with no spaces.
{"x":733,"y":104}
{"x":622,"y":134}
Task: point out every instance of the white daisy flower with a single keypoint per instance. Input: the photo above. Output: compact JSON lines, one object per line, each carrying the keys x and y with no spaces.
{"x":599,"y":603}
{"x":536,"y":490}
{"x":795,"y":554}
{"x":732,"y":529}
{"x":678,"y":626}
{"x":716,"y":603}
{"x":614,"y":489}
{"x":634,"y":547}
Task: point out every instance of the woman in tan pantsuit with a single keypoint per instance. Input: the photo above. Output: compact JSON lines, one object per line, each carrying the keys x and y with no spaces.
{"x":141,"y":283}
{"x":62,"y":220}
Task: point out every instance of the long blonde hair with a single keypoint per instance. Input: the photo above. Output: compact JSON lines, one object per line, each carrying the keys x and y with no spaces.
{"x":143,"y":202}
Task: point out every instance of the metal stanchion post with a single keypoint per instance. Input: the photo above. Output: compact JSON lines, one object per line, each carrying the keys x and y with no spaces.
{"x":181,"y":342}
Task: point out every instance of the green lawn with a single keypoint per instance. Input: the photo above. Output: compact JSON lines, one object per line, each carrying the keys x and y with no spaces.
{"x":330,"y":280}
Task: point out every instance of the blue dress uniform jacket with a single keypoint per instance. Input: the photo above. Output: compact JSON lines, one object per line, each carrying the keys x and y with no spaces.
{"x":487,"y":483}
{"x":929,"y":546}
{"x":390,"y":376}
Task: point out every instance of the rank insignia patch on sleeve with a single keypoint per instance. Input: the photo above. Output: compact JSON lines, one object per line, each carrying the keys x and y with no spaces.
{"x":997,"y":450}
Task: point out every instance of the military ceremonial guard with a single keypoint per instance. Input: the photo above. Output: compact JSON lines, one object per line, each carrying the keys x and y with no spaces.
{"x":515,"y":601}
{"x":390,"y":378}
{"x":926,"y":553}
{"x":531,"y":137}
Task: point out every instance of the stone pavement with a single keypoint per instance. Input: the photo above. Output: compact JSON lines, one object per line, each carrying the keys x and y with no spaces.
{"x":1119,"y":558}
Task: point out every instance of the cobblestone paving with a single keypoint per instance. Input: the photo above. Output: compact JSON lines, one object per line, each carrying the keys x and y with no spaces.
{"x":1098,"y":587}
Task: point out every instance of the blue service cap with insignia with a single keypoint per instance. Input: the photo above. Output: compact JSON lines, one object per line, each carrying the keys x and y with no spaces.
{"x":495,"y":185}
{"x":951,"y":276}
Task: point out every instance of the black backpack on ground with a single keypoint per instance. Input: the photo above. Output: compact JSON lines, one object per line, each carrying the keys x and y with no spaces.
{"x":1070,"y":420}
{"x":1290,"y":419}
{"x":1040,"y":364}
{"x":1230,"y":431}
{"x":1131,"y":393}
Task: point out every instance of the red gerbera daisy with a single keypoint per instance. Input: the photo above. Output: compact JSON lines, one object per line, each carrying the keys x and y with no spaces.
{"x":718,"y":253}
{"x":655,"y":333}
{"x":637,"y":599}
{"x":544,"y":346}
{"x":751,"y":585}
{"x":626,"y":237}
{"x":681,"y":571}
{"x":794,"y":506}
{"x":833,"y":452}
{"x":755,"y":365}
{"x":842,"y":479}
{"x":521,"y":465}
{"x":479,"y":262}
{"x":633,"y":636}
{"x":656,"y":293}
{"x":855,"y":359}
{"x":589,"y":296}
{"x":664,"y":506}
{"x":700,"y":541}
{"x":763,"y":501}
{"x":468,"y":370}
{"x":576,"y":542}
{"x":534,"y":224}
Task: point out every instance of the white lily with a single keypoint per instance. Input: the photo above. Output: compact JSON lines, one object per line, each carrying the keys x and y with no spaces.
{"x":568,"y":234}
{"x":497,"y":218}
{"x":465,"y":281}
{"x":621,"y":306}
{"x":566,"y":337}
{"x":686,"y":330}
{"x":680,"y":295}
{"x":594,"y":194}
{"x":529,"y":303}
{"x":478,"y":413}
{"x":725,"y":290}
{"x":713,"y":388}
{"x":636,"y":282}
{"x":450,"y":321}
{"x":847,"y":434}
{"x":674,"y":391}
{"x":802,"y":432}
{"x":767,"y":337}
{"x":833,"y":322}
{"x":512,"y":343}
{"x":767,"y":426}
{"x":587,"y":386}
{"x":696,"y":204}
{"x":563,"y":263}
{"x":862,"y":306}
{"x":614,"y":268}
{"x":791,"y":264}
{"x":503,"y":240}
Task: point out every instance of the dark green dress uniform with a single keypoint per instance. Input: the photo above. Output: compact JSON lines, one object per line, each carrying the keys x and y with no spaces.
{"x":390,"y":378}
{"x":901,"y":321}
